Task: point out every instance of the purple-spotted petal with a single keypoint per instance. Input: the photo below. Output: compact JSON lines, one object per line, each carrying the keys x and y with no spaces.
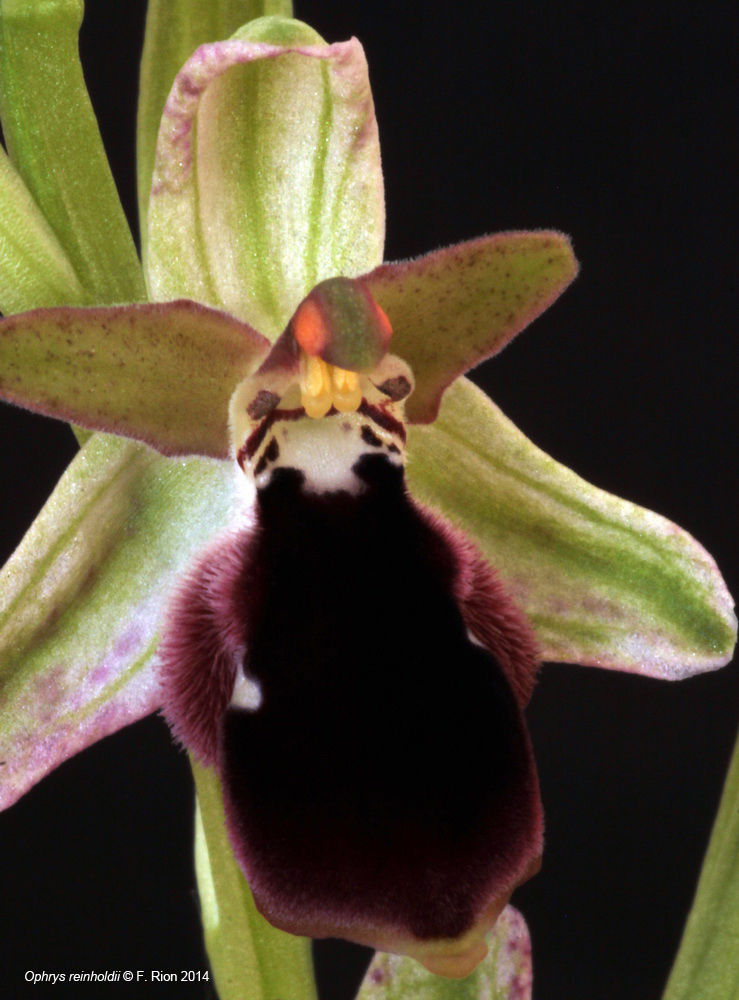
{"x":82,"y":598}
{"x":453,"y":308}
{"x":160,"y":373}
{"x":267,"y":176}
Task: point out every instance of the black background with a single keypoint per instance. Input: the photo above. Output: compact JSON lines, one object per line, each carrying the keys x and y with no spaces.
{"x":611,"y":123}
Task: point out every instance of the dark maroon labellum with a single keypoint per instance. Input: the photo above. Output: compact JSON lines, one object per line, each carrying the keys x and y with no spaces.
{"x":380,"y":785}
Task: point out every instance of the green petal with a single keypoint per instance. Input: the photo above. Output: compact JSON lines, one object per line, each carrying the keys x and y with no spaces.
{"x":267,"y":175}
{"x":603,"y":581}
{"x":249,"y":957}
{"x":174,"y":29}
{"x":34,"y":270}
{"x":504,"y":975}
{"x":706,"y":966}
{"x":82,"y":598}
{"x":455,"y":307}
{"x":54,"y":143}
{"x":160,"y":373}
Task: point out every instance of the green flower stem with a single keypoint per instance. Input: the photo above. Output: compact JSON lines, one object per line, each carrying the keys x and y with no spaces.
{"x":250,"y":959}
{"x":707,"y":964}
{"x":54,"y":143}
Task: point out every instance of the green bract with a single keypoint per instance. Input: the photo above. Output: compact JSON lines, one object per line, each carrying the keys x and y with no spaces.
{"x":266,"y":179}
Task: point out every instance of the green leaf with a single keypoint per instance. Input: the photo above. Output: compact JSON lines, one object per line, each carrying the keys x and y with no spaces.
{"x":160,"y":373}
{"x":706,"y":967}
{"x":174,"y":29}
{"x":267,"y":175}
{"x":249,"y":957}
{"x":54,"y":143}
{"x":82,"y":599}
{"x":504,"y":975}
{"x":604,"y":582}
{"x":34,"y":269}
{"x":453,"y":308}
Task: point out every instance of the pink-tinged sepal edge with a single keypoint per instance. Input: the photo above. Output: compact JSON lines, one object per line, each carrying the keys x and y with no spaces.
{"x":209,"y":61}
{"x":31,"y":758}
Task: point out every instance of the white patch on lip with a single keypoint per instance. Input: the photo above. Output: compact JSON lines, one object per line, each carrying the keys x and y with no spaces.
{"x":247,"y":693}
{"x":474,"y":640}
{"x":326,"y":450}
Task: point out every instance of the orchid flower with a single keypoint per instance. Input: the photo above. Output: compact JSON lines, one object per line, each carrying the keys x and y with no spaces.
{"x":263,"y":295}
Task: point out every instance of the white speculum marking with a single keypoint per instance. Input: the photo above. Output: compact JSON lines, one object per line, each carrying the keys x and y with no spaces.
{"x":474,"y":640}
{"x":326,"y":450}
{"x":247,"y":692}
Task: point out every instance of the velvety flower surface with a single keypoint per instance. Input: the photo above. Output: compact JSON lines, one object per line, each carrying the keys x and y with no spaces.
{"x":329,"y":632}
{"x":347,"y":637}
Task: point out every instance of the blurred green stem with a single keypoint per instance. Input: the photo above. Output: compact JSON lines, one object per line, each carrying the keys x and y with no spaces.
{"x":250,"y":959}
{"x":707,"y":964}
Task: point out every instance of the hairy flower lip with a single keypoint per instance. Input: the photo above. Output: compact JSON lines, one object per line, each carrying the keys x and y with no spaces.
{"x":451,"y":958}
{"x":570,"y":650}
{"x":720,"y":641}
{"x":427,"y":573}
